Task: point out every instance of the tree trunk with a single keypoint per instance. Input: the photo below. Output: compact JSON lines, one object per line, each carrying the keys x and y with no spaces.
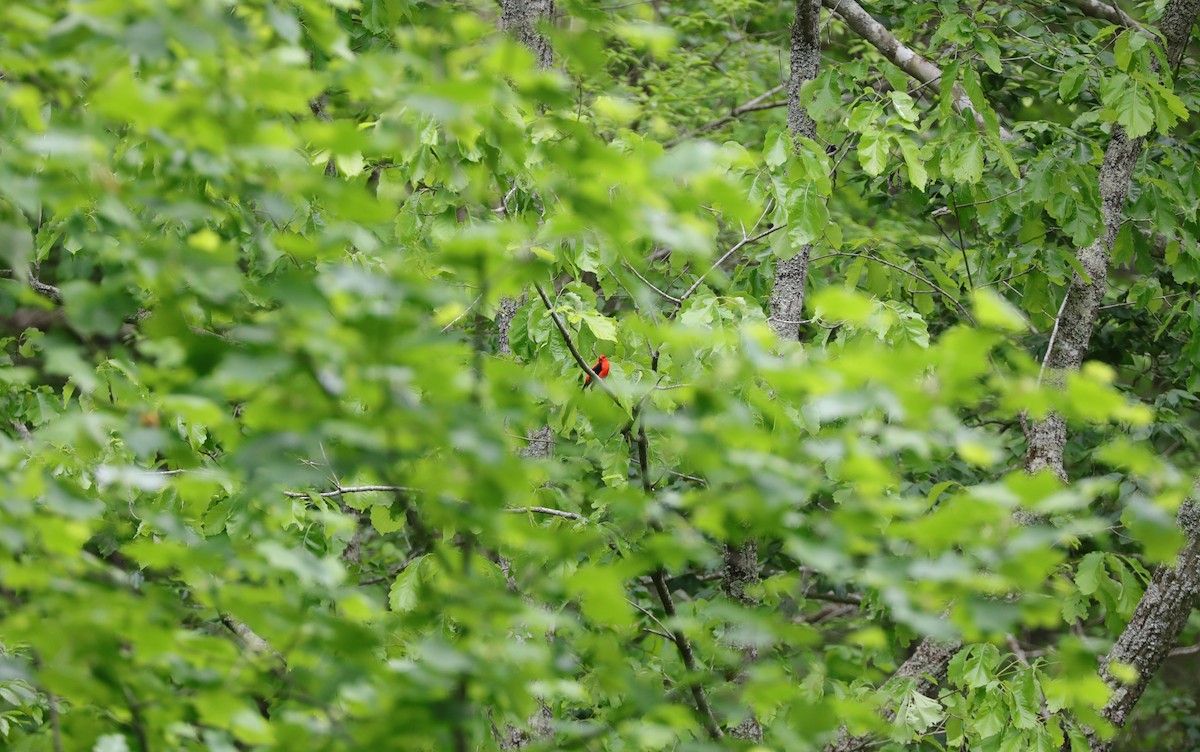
{"x":928,"y":665}
{"x":1159,"y":618}
{"x":791,"y":275}
{"x":1166,"y":604}
{"x":520,"y":18}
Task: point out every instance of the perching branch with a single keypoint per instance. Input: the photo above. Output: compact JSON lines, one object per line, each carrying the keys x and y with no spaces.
{"x":566,"y":335}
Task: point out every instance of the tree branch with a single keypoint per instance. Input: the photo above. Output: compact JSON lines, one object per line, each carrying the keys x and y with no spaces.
{"x":927,"y":665}
{"x":1157,"y":621}
{"x":341,"y":490}
{"x":545,"y":510}
{"x":1105,"y":12}
{"x":903,"y":57}
{"x":740,"y":244}
{"x":659,"y":578}
{"x":909,"y":272}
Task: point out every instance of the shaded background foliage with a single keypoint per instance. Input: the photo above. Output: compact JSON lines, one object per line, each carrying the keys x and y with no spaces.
{"x":263,"y":480}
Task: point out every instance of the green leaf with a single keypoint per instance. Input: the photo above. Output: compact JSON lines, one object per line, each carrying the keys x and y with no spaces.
{"x":904,"y":104}
{"x":917,"y":174}
{"x":808,"y":215}
{"x":776,"y":148}
{"x":873,"y":148}
{"x":1122,"y":51}
{"x":991,"y":309}
{"x":602,"y":327}
{"x":403,"y":595}
{"x":1070,"y":86}
{"x":1134,"y":112}
{"x":1089,"y":571}
{"x":602,"y":596}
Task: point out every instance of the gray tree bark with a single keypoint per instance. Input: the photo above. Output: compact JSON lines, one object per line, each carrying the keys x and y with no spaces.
{"x":787,"y":304}
{"x":1157,"y":621}
{"x":902,"y":56}
{"x":741,"y":573}
{"x":928,"y":665}
{"x":1072,"y":332}
{"x":520,"y":18}
{"x":1173,"y":592}
{"x":791,"y":275}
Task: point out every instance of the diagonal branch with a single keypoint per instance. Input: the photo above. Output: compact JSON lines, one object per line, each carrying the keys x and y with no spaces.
{"x":566,"y":335}
{"x":1105,"y":12}
{"x":341,"y":490}
{"x":659,"y":578}
{"x":545,"y":510}
{"x":903,"y":57}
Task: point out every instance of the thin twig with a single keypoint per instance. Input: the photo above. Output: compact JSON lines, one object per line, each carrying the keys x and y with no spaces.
{"x":345,"y":490}
{"x":962,"y":246}
{"x":545,"y":510}
{"x":1124,"y":303}
{"x":741,"y":244}
{"x":464,"y":313}
{"x":1006,"y":280}
{"x":993,"y":198}
{"x":1053,"y":336}
{"x":650,"y":284}
{"x":754,"y":105}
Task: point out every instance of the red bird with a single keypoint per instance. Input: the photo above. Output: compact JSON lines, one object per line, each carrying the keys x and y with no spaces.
{"x":600,"y":368}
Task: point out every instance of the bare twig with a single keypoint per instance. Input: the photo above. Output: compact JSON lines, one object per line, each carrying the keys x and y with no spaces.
{"x":545,"y":510}
{"x":650,"y":284}
{"x":1053,"y":336}
{"x":466,"y":310}
{"x":345,"y":490}
{"x":740,"y":244}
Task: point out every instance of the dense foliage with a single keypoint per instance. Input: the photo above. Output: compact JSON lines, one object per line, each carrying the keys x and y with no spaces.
{"x":297,"y":302}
